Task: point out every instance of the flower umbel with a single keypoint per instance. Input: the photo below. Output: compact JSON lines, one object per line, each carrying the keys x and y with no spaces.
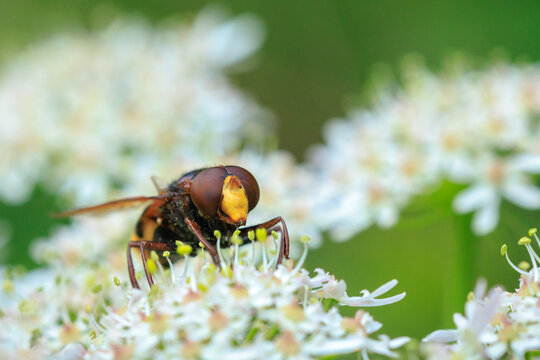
{"x":245,"y":310}
{"x":477,"y":128}
{"x":248,"y":308}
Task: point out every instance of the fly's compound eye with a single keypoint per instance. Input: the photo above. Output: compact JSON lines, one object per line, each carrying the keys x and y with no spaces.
{"x":206,"y":190}
{"x":248,"y":182}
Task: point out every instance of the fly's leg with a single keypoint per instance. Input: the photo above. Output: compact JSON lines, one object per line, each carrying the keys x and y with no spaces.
{"x":131,"y":268}
{"x":269,"y":225}
{"x":143,"y":245}
{"x":195,"y":228}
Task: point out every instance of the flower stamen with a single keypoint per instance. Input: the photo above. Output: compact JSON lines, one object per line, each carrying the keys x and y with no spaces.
{"x":504,"y":252}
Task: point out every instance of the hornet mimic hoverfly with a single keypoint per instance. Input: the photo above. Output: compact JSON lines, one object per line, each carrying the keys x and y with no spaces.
{"x":190,"y":209}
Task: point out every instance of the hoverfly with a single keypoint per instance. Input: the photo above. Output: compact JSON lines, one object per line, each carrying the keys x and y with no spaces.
{"x":190,"y":209}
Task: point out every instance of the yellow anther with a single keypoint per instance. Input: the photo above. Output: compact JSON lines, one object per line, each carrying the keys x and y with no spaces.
{"x":504,"y":248}
{"x":154,"y":256}
{"x":524,"y":240}
{"x":178,"y":243}
{"x":226,"y":271}
{"x":166,"y":254}
{"x":251,"y":235}
{"x":275,"y":234}
{"x":184,"y":250}
{"x":470,"y":296}
{"x":8,"y":286}
{"x":217,"y":234}
{"x":524,"y":265}
{"x":305,"y":239}
{"x":152,"y":267}
{"x":201,"y":245}
{"x":116,"y":281}
{"x":97,"y":288}
{"x":532,"y":231}
{"x":236,"y":240}
{"x":261,"y":234}
{"x":26,"y":307}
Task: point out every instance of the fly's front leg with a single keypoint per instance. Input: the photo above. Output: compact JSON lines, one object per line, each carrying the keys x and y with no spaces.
{"x":143,"y":245}
{"x":269,"y":225}
{"x":195,"y":228}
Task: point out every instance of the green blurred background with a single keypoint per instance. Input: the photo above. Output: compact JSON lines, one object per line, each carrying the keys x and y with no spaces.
{"x":316,"y":63}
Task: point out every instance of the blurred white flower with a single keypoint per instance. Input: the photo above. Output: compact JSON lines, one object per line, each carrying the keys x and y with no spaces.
{"x":474,"y":127}
{"x":495,"y":179}
{"x":87,"y":112}
{"x":96,"y":237}
{"x":503,"y":324}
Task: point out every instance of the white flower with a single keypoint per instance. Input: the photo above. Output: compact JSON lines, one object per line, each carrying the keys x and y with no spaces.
{"x":87,"y":112}
{"x":475,"y":327}
{"x":496,"y":179}
{"x":474,"y":127}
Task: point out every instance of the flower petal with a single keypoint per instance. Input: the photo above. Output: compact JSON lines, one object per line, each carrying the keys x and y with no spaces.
{"x":524,"y":195}
{"x":369,"y":299}
{"x":486,"y":219}
{"x":442,"y":336}
{"x":527,"y":162}
{"x":472,"y":198}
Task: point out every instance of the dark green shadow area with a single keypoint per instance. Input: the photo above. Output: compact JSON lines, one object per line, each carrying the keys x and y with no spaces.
{"x":28,"y":222}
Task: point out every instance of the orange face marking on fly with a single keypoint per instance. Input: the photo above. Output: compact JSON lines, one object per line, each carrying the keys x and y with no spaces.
{"x":234,"y":201}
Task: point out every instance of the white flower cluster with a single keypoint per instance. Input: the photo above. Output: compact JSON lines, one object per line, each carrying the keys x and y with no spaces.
{"x":45,"y":310}
{"x":501,"y":324}
{"x":87,"y":112}
{"x":73,"y":309}
{"x":243,"y":313}
{"x":474,"y":127}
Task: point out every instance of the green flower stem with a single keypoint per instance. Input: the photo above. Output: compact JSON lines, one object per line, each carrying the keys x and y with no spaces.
{"x":461,"y":276}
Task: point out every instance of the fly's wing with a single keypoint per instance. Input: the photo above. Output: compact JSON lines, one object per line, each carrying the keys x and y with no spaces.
{"x":160,"y":184}
{"x":112,"y":206}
